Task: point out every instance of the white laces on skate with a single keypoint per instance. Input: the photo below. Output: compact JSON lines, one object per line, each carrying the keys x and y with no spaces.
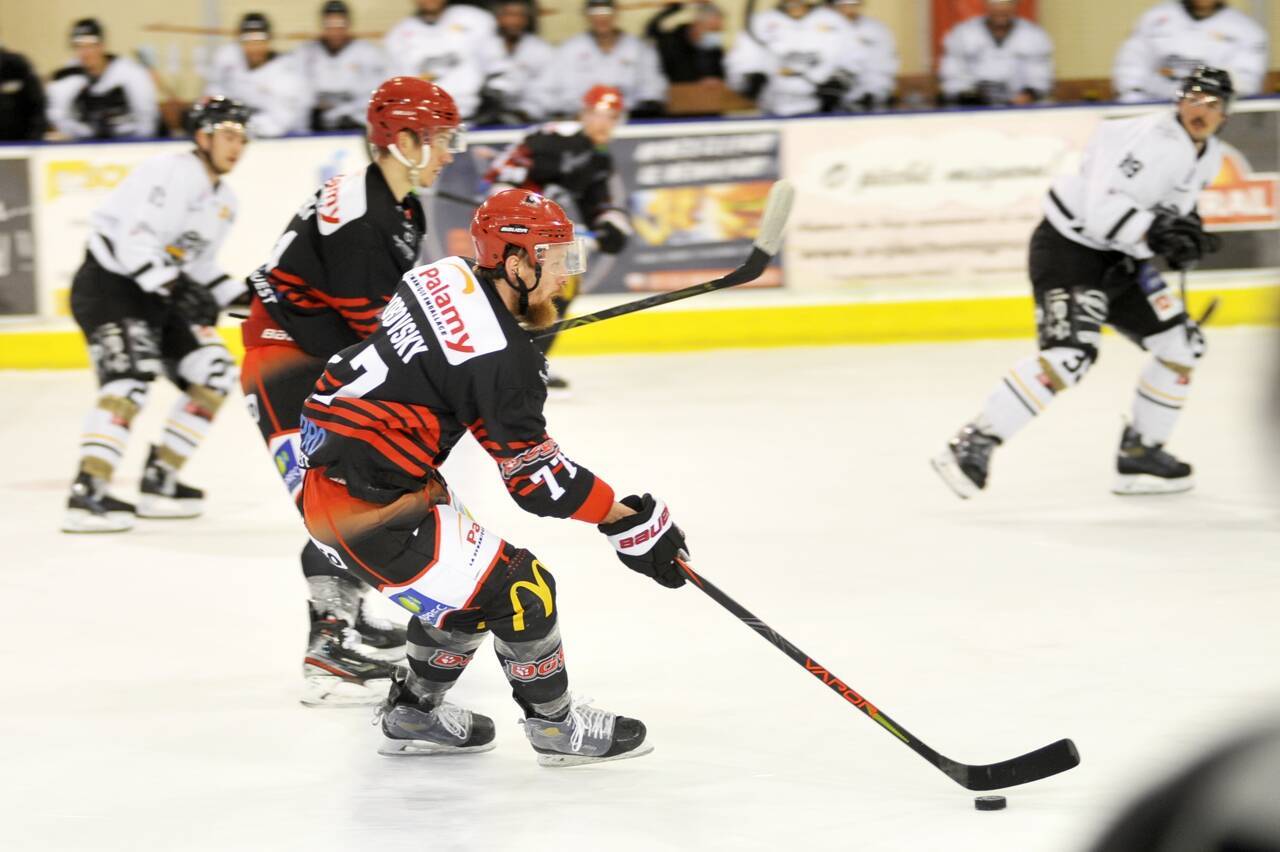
{"x":589,"y":720}
{"x":453,"y":718}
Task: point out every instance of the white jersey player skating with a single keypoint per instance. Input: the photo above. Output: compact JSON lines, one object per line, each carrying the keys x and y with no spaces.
{"x":271,"y":85}
{"x":455,"y":47}
{"x":342,"y":71}
{"x":796,"y":59}
{"x":1174,"y":37}
{"x":997,"y":58}
{"x":607,"y":56}
{"x":147,"y":297}
{"x":1091,"y":264}
{"x":101,"y":96}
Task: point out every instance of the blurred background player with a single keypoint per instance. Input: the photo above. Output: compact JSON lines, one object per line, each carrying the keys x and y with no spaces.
{"x":692,"y":52}
{"x":453,"y":45}
{"x":100,"y":95}
{"x":453,"y":356}
{"x":521,"y":95}
{"x":341,"y":69}
{"x":878,"y":77}
{"x":1172,"y":38}
{"x":22,"y":104}
{"x":1090,"y":263}
{"x":147,"y":297}
{"x":796,"y":59}
{"x":569,"y":162}
{"x":329,"y":277}
{"x":604,"y":55}
{"x":996,"y":59}
{"x":269,"y":84}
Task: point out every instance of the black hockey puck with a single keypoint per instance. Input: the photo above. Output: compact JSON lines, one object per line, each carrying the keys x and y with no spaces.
{"x":990,"y":803}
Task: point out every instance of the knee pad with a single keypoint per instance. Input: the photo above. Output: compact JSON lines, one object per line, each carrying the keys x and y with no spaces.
{"x":125,"y":350}
{"x":123,"y":398}
{"x":1072,"y":319}
{"x":210,"y":372}
{"x":1063,"y":367}
{"x":1178,"y":348}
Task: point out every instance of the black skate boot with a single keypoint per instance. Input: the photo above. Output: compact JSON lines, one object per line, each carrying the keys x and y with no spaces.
{"x":413,"y":726}
{"x":384,"y":637}
{"x":964,"y":464}
{"x":586,"y":735}
{"x":163,"y":496}
{"x":1147,"y":469}
{"x":90,"y":509}
{"x":338,"y":671}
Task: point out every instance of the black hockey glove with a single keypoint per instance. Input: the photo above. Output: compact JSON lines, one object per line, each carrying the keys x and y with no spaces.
{"x":753,"y":84}
{"x":1178,"y":239}
{"x":648,"y":541}
{"x":193,"y":302}
{"x":832,"y":91}
{"x":609,"y":238}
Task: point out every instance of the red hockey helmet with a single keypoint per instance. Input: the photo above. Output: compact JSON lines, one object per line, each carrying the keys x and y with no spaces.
{"x":408,"y":103}
{"x":605,"y":98}
{"x":518,"y":217}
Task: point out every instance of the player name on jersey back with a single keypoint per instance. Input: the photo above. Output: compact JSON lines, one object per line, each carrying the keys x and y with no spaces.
{"x":457,"y":310}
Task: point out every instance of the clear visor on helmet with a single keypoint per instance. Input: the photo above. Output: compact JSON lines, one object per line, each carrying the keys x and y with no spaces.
{"x":229,"y":126}
{"x":561,"y":258}
{"x":455,"y":138}
{"x":1198,"y":97}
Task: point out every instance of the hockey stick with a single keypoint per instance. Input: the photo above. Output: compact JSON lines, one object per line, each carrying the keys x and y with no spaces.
{"x":1043,"y":762}
{"x":766,"y":245}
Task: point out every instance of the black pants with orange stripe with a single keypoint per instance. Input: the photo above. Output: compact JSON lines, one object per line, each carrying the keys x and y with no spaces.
{"x":276,"y":380}
{"x":425,"y":552}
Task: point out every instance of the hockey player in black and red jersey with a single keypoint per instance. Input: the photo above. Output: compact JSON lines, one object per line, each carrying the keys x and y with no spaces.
{"x":1091,"y":264}
{"x":330,"y":274}
{"x":147,"y":299}
{"x":569,"y":162}
{"x":453,"y":356}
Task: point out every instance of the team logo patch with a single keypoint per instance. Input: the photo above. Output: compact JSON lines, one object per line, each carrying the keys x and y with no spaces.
{"x":312,"y":439}
{"x":443,"y":659}
{"x":285,"y":455}
{"x":425,"y":608}
{"x":538,"y":669}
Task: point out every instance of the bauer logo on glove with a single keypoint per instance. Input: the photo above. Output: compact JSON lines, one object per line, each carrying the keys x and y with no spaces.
{"x":648,"y":542}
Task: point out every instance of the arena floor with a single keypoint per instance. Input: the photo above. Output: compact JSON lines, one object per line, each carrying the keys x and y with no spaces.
{"x":152,"y":677}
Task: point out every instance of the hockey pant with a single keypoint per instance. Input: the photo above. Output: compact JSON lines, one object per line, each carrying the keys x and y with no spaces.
{"x":426,"y":553}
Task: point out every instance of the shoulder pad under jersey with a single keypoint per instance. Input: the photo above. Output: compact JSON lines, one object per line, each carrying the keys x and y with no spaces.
{"x":342,"y":200}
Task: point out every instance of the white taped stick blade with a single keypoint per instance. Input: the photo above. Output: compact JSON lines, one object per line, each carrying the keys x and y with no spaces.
{"x":773,"y":224}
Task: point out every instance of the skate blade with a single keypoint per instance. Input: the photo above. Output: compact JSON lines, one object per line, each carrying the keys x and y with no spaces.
{"x":84,"y":521}
{"x":558,"y":761}
{"x":336,"y":692}
{"x":1132,"y":484}
{"x":950,"y":472}
{"x":167,"y":508}
{"x":424,"y":748}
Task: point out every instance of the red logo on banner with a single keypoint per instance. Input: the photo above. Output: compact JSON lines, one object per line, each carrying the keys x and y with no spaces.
{"x":1240,"y":199}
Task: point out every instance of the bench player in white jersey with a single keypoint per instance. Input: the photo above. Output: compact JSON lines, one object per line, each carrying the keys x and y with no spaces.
{"x":1176,"y":36}
{"x":342,"y":70}
{"x":997,"y":58}
{"x":1134,"y":198}
{"x":453,"y":356}
{"x":270,"y":84}
{"x":879,"y":72}
{"x":604,"y":55}
{"x":147,"y":298}
{"x":454,"y":46}
{"x":100,"y":95}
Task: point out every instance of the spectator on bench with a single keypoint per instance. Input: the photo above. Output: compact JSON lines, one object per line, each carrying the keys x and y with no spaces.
{"x":606,"y":56}
{"x":996,"y":59}
{"x":269,"y":84}
{"x":342,"y":71}
{"x":879,"y":78}
{"x":100,"y":95}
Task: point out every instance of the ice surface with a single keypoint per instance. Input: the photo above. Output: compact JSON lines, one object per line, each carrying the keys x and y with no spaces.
{"x":151,"y":678}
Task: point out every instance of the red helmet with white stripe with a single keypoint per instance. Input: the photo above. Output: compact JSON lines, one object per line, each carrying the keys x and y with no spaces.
{"x":604,"y":98}
{"x":408,"y":103}
{"x":517,"y":217}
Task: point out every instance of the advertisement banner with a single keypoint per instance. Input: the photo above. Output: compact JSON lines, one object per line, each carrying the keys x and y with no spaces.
{"x":17,"y":245}
{"x":271,"y":181}
{"x":1243,"y":202}
{"x":923,"y":206}
{"x":695,"y":201}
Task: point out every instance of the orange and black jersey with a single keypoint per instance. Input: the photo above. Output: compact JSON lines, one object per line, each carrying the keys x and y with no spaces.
{"x":559,"y":154}
{"x":448,"y":358}
{"x":335,"y":266}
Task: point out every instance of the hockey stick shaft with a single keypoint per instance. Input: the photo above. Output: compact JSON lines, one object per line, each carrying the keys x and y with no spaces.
{"x":1050,"y":760}
{"x":767,"y":243}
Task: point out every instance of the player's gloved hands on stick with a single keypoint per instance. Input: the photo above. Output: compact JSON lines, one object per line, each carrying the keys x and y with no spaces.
{"x":1180,"y":240}
{"x":648,"y":541}
{"x":609,"y":238}
{"x":193,"y":302}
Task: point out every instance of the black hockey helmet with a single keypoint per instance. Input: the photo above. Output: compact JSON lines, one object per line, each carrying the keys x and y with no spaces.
{"x":210,"y":113}
{"x":1208,"y":81}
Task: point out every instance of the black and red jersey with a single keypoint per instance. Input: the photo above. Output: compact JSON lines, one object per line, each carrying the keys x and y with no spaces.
{"x":333,"y":269}
{"x":560,"y":155}
{"x":448,"y":359}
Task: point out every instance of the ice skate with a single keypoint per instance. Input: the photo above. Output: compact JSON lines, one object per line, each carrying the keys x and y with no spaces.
{"x":90,"y":509}
{"x":965,"y":462}
{"x":411,"y":726}
{"x":1148,"y":469}
{"x":383,"y":637}
{"x":338,"y":670}
{"x":163,"y":496}
{"x":586,"y":735}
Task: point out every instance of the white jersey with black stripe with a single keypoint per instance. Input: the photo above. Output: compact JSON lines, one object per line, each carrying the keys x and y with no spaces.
{"x":1130,"y":167}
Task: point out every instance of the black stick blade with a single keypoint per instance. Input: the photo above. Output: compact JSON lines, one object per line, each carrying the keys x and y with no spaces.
{"x":1032,"y":766}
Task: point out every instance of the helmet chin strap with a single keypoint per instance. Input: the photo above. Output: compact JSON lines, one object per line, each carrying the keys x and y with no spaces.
{"x":404,"y":161}
{"x":523,"y":290}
